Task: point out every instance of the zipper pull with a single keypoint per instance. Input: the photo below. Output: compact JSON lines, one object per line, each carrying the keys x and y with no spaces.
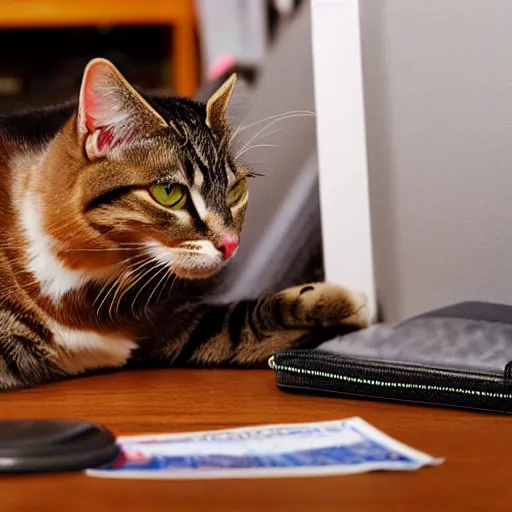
{"x":507,"y":374}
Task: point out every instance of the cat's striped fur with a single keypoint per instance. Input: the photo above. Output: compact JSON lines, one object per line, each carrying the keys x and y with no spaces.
{"x":95,"y":273}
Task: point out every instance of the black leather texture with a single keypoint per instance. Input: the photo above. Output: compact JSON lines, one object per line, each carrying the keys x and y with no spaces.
{"x":456,"y":356}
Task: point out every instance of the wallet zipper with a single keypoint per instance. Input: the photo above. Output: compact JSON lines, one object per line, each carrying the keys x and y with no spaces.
{"x":381,"y":383}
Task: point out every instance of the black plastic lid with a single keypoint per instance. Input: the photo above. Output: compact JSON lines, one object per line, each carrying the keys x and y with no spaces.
{"x":54,"y":445}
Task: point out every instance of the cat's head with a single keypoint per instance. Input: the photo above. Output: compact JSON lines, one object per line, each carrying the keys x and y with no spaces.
{"x":130,"y":177}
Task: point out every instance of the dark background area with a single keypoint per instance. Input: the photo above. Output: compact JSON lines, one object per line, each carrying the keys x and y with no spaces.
{"x":44,"y":66}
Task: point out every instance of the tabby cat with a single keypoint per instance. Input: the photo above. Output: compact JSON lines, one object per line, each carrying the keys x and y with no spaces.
{"x":116,"y":215}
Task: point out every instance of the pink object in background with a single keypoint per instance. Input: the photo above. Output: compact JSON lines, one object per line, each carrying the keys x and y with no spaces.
{"x":222,"y":66}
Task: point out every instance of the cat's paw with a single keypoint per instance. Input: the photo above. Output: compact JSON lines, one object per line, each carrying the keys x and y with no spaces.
{"x":326,"y":305}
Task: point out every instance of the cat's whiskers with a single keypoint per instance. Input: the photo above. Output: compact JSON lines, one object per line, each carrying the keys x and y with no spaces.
{"x":112,"y":284}
{"x":115,"y":287}
{"x":122,"y":246}
{"x":117,"y":290}
{"x":132,"y":283}
{"x":137,"y":244}
{"x":257,"y":146}
{"x":147,"y":261}
{"x":109,"y":249}
{"x":273,"y":118}
{"x":166,"y":271}
{"x":169,"y":275}
{"x":256,"y":138}
{"x":159,"y":264}
{"x":262,"y":134}
{"x":126,"y":273}
{"x":239,"y":127}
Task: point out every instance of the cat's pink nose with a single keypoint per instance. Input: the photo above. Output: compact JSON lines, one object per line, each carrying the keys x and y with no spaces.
{"x":228,"y":247}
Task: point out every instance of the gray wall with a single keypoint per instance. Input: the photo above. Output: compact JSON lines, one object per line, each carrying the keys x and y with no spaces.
{"x":285,"y":84}
{"x":438,"y":80}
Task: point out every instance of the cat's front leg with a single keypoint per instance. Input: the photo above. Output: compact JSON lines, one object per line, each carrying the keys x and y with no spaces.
{"x":249,"y":332}
{"x":26,"y":360}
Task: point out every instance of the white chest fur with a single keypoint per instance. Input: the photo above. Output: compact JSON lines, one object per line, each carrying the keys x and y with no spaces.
{"x":54,"y":278}
{"x":88,"y":350}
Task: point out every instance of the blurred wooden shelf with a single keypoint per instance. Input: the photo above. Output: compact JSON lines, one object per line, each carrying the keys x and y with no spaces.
{"x":180,"y":14}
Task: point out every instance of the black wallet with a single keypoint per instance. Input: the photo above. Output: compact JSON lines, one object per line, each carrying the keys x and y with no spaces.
{"x":458,"y":356}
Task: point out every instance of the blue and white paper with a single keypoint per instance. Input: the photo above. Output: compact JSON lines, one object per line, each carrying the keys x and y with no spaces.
{"x":307,"y":449}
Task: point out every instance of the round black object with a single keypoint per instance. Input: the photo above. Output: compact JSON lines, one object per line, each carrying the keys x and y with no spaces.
{"x":28,"y":446}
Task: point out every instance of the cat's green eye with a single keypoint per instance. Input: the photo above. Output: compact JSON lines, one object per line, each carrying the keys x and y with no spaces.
{"x":167,"y":194}
{"x":237,"y":192}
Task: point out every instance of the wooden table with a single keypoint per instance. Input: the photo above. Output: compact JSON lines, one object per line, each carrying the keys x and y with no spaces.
{"x":477,"y":474}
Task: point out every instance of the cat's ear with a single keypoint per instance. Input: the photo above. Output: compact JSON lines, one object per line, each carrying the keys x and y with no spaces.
{"x":110,"y":111}
{"x":217,"y":105}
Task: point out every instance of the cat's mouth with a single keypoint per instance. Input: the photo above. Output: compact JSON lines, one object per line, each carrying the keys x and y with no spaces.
{"x":190,"y":260}
{"x":196,"y":266}
{"x":195,"y":263}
